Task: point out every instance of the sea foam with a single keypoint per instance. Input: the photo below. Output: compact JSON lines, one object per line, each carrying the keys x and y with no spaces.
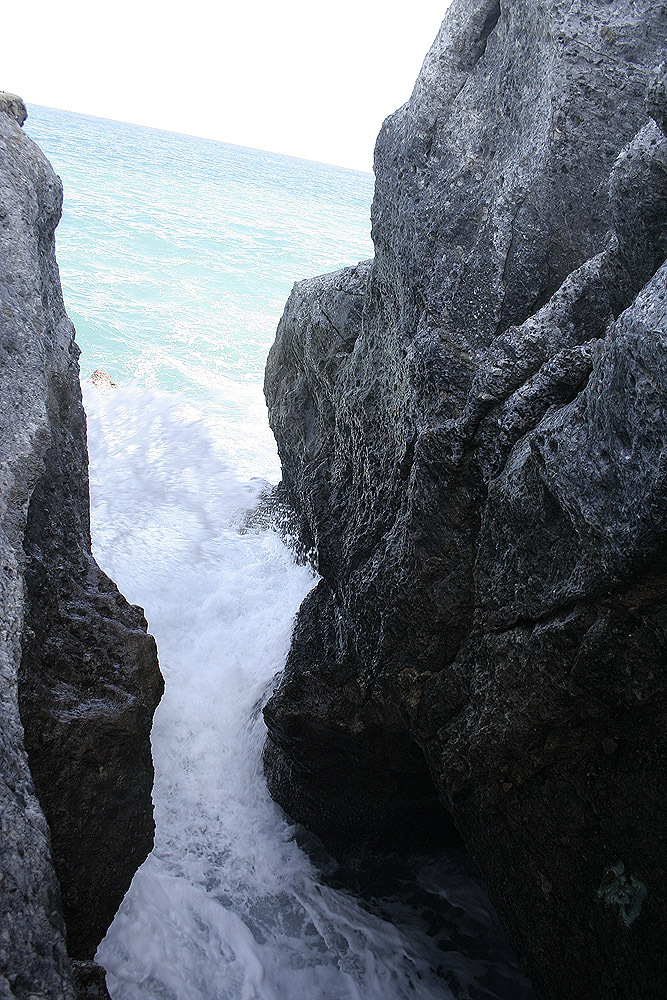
{"x":228,"y":905}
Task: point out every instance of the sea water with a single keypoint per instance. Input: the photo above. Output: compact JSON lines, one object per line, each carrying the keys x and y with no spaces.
{"x":176,"y":256}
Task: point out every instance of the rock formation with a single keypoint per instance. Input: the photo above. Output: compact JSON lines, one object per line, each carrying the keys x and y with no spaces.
{"x":472,"y":429}
{"x":79,"y":679}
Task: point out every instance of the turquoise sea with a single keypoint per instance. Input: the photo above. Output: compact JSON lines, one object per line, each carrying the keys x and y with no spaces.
{"x":176,"y":256}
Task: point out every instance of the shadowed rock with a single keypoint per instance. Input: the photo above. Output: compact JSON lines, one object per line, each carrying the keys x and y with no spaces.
{"x":79,"y":679}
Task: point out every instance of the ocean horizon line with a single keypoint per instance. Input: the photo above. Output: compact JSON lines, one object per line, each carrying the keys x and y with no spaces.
{"x":194,"y":135}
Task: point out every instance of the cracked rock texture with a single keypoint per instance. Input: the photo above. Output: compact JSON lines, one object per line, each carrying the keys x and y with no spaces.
{"x":473,"y":429}
{"x":79,"y":678}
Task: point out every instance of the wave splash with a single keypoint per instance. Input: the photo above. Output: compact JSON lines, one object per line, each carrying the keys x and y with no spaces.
{"x":228,"y":906}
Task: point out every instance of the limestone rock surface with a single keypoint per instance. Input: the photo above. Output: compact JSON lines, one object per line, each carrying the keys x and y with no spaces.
{"x":472,"y":429}
{"x":79,"y":678}
{"x":13,"y":105}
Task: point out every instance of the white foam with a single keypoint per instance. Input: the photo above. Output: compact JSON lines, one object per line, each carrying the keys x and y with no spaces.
{"x":228,"y":907}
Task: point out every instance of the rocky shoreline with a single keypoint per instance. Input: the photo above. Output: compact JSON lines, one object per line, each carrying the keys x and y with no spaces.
{"x":472,"y":428}
{"x":79,"y":677}
{"x":472,"y":431}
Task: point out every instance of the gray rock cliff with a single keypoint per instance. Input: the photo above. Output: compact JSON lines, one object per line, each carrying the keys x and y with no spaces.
{"x":79,"y":678}
{"x":472,"y":429}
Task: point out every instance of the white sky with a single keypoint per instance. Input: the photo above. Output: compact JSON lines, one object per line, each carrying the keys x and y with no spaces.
{"x":298,"y":77}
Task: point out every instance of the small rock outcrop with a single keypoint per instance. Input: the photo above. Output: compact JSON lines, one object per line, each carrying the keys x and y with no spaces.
{"x":79,"y":679}
{"x":103,"y":379}
{"x":472,"y":428}
{"x":13,"y":105}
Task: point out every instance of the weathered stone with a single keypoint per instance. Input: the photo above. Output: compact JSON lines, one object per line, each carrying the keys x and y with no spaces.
{"x":89,"y":981}
{"x":472,"y":433}
{"x":78,"y":674}
{"x":13,"y":105}
{"x":103,"y":379}
{"x":656,"y":97}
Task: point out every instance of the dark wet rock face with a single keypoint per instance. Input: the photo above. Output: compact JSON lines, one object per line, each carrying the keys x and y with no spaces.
{"x":78,"y":673}
{"x":88,"y":687}
{"x":472,"y":429}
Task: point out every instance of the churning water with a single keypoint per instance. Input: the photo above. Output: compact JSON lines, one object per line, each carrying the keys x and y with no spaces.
{"x":176,"y":256}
